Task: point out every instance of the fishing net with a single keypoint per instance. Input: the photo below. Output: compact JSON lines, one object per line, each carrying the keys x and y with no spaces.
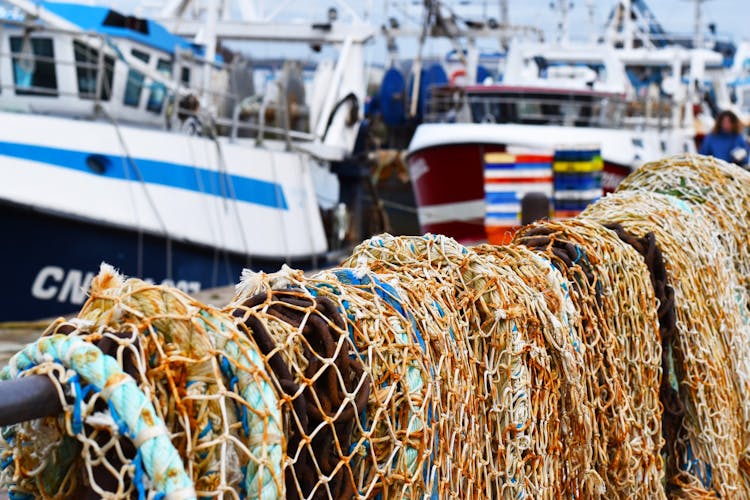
{"x":515,"y":307}
{"x":612,"y":291}
{"x":160,"y":394}
{"x":708,"y":356}
{"x":717,"y":189}
{"x":347,"y":351}
{"x":307,"y":350}
{"x":606,"y":356}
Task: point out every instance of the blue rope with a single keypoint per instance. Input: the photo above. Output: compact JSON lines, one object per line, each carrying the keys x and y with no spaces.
{"x":391,"y":296}
{"x":134,"y":411}
{"x":259,"y":395}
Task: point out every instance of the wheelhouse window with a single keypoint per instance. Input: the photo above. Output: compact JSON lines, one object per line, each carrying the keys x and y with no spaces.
{"x":87,"y":71}
{"x":134,"y":85}
{"x":158,"y":90}
{"x":34,"y":66}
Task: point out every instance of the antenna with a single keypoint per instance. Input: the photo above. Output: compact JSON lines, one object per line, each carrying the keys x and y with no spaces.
{"x":627,"y":24}
{"x":591,"y":9}
{"x":563,"y":7}
{"x":504,"y":22}
{"x":504,"y":17}
{"x":699,"y":39}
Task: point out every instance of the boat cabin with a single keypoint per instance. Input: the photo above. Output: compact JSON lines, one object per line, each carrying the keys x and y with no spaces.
{"x":582,"y":85}
{"x":99,"y":60}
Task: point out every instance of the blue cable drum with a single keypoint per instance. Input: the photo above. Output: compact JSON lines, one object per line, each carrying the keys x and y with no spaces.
{"x":430,"y":76}
{"x":392,"y":97}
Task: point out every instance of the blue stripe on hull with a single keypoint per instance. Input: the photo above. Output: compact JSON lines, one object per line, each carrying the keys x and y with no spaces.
{"x":162,"y":173}
{"x":502,"y":215}
{"x":47,"y":259}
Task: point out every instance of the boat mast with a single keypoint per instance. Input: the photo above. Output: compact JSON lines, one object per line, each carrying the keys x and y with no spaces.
{"x":505,"y":22}
{"x":627,"y":24}
{"x":563,"y":28}
{"x":591,"y":9}
{"x":699,"y":40}
{"x":209,"y":42}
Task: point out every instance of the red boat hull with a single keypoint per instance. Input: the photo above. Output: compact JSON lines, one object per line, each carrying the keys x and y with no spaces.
{"x":448,"y":183}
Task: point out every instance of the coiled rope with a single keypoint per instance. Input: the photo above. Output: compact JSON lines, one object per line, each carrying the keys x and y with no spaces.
{"x":205,"y":380}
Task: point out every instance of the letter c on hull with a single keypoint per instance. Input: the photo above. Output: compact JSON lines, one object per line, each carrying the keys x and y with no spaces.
{"x":44,"y":286}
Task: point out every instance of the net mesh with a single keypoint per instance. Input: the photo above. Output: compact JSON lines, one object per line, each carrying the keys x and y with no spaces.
{"x":208,"y":383}
{"x":708,"y":357}
{"x":605,"y":356}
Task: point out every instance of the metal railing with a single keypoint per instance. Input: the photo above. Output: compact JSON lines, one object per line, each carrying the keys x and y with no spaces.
{"x":563,"y":109}
{"x":237,"y":121}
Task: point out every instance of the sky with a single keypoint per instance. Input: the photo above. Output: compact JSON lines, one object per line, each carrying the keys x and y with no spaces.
{"x":732,"y":17}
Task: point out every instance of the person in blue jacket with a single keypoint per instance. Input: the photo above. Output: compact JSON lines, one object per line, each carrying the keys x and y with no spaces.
{"x":726,"y":140}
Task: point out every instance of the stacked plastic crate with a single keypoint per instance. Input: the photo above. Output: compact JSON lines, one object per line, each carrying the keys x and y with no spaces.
{"x":508,"y":177}
{"x":577,"y":174}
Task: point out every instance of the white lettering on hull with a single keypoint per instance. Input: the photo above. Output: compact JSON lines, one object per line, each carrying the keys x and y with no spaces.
{"x":53,"y":282}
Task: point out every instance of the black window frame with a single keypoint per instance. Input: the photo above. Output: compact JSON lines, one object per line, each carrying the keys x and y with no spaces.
{"x":43,"y":78}
{"x":136,"y":76}
{"x":87,"y":62}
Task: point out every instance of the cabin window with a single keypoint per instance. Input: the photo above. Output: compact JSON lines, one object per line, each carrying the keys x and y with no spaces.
{"x":185,"y":76}
{"x":34,"y":66}
{"x":87,"y":62}
{"x":158,"y":90}
{"x":134,"y":85}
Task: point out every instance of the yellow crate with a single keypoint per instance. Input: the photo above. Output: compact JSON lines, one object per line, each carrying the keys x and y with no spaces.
{"x":595,"y":165}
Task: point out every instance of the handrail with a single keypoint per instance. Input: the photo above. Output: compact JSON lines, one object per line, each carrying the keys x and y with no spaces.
{"x":607,"y":112}
{"x":263,"y":129}
{"x":106,"y":52}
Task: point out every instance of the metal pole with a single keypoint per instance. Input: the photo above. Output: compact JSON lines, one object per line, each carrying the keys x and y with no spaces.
{"x":562,"y":25}
{"x":100,"y":73}
{"x":627,"y":24}
{"x":699,"y":41}
{"x":28,"y":398}
{"x":210,"y":42}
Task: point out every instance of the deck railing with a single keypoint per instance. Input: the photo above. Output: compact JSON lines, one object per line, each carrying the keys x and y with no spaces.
{"x":534,"y":108}
{"x":239,"y":118}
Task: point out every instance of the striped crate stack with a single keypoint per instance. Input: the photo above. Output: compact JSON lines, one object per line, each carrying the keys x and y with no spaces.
{"x":577,"y":180}
{"x":508,"y":178}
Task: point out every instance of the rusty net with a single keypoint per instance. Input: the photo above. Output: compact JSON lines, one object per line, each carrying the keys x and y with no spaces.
{"x":191,"y":412}
{"x":606,"y":356}
{"x":618,"y":324}
{"x":714,"y":187}
{"x":708,"y":356}
{"x":358,"y":393}
{"x":524,"y":367}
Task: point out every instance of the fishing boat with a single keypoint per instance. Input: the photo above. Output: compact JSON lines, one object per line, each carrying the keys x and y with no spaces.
{"x":122,"y":140}
{"x":553,"y":95}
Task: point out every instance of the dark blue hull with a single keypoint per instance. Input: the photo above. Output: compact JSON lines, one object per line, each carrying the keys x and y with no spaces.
{"x":47,"y":260}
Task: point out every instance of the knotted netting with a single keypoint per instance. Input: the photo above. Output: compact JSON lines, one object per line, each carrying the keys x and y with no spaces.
{"x":709,"y":185}
{"x":618,"y":325}
{"x":606,"y":356}
{"x":368,"y":388}
{"x":515,"y":309}
{"x":708,"y":356}
{"x":161,"y":394}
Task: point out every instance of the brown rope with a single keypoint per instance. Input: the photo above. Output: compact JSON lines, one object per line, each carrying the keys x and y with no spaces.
{"x":318,"y":398}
